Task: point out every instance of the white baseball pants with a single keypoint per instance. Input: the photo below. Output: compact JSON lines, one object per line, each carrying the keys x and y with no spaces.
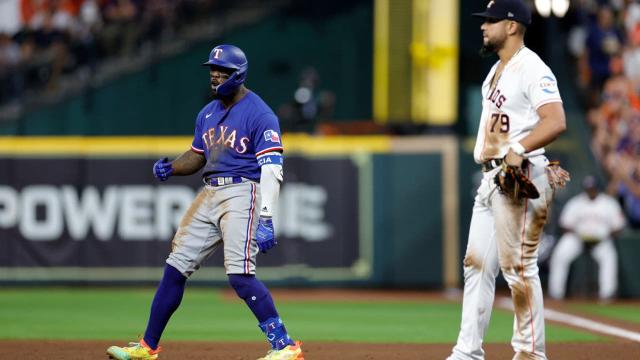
{"x":568,"y":249}
{"x":505,"y":235}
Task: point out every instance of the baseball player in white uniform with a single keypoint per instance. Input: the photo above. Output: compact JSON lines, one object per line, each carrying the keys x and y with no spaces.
{"x":593,"y":219}
{"x":521,"y":113}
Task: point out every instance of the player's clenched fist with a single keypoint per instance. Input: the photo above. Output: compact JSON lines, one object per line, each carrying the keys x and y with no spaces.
{"x":264,"y":235}
{"x":162,"y":169}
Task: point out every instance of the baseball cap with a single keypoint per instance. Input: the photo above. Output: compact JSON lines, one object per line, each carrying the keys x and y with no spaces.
{"x":515,"y":10}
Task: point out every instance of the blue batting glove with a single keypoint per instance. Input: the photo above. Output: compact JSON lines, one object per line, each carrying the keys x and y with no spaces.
{"x":264,"y":235}
{"x":162,"y":169}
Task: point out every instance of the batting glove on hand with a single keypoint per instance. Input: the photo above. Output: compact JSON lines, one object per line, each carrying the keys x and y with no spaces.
{"x":162,"y":169}
{"x":264,"y":235}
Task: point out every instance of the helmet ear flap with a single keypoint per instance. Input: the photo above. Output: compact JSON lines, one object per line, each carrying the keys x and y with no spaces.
{"x":232,"y":83}
{"x":242,"y":75}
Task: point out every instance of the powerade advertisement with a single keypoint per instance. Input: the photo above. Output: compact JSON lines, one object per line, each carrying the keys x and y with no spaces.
{"x":112,"y":212}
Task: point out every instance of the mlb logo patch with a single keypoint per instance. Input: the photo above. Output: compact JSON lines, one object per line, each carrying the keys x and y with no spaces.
{"x":271,"y":135}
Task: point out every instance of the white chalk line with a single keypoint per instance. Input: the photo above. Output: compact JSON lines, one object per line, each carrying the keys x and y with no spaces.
{"x":579,"y":322}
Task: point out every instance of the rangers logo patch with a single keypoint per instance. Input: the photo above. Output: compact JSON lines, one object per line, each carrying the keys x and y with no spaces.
{"x":271,"y":135}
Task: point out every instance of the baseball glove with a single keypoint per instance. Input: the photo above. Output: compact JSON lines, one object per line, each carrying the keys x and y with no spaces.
{"x":557,"y":176}
{"x":514,"y":184}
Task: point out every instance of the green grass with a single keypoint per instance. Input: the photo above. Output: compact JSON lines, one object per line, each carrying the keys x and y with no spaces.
{"x":625,"y":312}
{"x":204,"y":315}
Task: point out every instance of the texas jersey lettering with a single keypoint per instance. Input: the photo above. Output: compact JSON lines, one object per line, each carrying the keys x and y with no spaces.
{"x":231,"y":139}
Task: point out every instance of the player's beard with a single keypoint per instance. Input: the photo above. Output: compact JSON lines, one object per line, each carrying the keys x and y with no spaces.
{"x":491,"y":47}
{"x":214,"y":93}
{"x":216,"y":96}
{"x":486,"y":50}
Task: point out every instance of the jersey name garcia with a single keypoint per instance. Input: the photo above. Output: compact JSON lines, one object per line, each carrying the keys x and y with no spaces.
{"x":232,"y":139}
{"x":509,"y":108}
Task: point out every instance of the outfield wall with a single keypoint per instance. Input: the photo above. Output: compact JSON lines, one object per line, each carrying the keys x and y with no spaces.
{"x":354,"y":211}
{"x":360,"y":210}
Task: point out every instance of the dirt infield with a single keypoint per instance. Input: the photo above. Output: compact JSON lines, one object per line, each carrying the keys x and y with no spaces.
{"x":72,"y":350}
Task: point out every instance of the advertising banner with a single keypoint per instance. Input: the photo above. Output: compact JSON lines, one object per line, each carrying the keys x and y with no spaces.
{"x":102,"y":213}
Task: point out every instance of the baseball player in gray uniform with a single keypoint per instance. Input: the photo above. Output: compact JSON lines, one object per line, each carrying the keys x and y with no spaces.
{"x":521,"y":113}
{"x":237,"y":141}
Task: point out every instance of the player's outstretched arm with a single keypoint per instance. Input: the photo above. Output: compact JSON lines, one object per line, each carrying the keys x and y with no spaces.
{"x":188,"y":163}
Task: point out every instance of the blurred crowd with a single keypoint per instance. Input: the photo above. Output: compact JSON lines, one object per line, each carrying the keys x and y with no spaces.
{"x":41,"y":40}
{"x":606,"y":44}
{"x":308,"y":106}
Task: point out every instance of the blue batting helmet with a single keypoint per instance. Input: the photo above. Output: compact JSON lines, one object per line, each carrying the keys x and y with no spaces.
{"x":229,"y":57}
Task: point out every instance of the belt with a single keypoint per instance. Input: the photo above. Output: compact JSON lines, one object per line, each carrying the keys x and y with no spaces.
{"x":491,"y":164}
{"x":494,"y":163}
{"x":222,"y":180}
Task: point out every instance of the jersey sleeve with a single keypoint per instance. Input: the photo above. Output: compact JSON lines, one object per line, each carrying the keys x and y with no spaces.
{"x":197,"y":145}
{"x":541,"y":85}
{"x":266,"y":135}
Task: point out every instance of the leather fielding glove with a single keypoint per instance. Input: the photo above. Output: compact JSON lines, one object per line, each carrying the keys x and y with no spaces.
{"x":514,"y":184}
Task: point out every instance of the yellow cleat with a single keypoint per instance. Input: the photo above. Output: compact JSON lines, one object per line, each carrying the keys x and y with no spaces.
{"x":135,"y":351}
{"x":291,"y":352}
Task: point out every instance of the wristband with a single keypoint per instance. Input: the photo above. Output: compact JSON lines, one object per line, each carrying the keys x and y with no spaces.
{"x":517,"y":148}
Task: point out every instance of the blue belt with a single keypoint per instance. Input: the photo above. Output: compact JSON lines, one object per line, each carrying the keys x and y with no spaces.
{"x":222,"y":180}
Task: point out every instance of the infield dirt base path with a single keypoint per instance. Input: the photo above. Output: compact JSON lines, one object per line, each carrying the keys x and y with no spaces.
{"x":82,"y":350}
